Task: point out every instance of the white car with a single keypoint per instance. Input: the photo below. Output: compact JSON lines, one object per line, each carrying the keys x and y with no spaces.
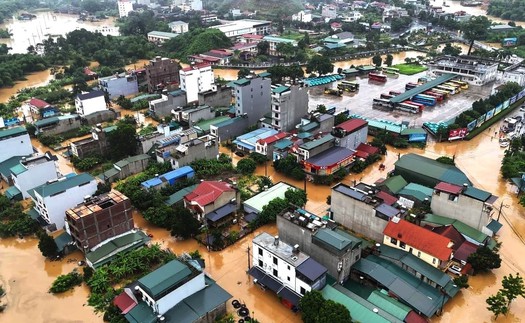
{"x":522,"y":109}
{"x":503,"y":143}
{"x":508,"y":120}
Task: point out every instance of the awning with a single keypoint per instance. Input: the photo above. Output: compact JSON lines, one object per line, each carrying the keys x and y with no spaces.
{"x":221,"y":212}
{"x":265,"y":280}
{"x":494,"y":226}
{"x":289,"y":295}
{"x":250,"y":217}
{"x":13,"y":193}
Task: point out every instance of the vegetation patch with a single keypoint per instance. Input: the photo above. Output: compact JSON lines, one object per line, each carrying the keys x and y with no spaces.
{"x":63,"y":283}
{"x":410,"y":69}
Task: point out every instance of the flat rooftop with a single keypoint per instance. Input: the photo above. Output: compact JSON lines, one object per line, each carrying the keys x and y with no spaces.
{"x":96,"y":204}
{"x":280,"y":249}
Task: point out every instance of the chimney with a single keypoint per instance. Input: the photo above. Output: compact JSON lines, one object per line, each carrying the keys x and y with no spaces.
{"x":276,"y":241}
{"x":296,"y":248}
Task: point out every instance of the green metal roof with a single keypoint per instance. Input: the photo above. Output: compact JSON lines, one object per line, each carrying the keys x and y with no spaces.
{"x":309,"y":126}
{"x":162,"y":34}
{"x":422,"y":88}
{"x":141,"y":313}
{"x":420,"y":192}
{"x":106,"y":252}
{"x":205,"y":124}
{"x":109,"y":129}
{"x":207,"y":299}
{"x":13,"y":193}
{"x":227,"y":122}
{"x":280,"y":89}
{"x":367,"y":68}
{"x":282,"y":144}
{"x":33,"y":214}
{"x":126,"y":161}
{"x":302,"y":135}
{"x":257,"y":202}
{"x":316,"y":143}
{"x":6,"y":165}
{"x":463,"y":228}
{"x":62,"y":240}
{"x":164,"y":278}
{"x":395,"y":183}
{"x":388,"y":304}
{"x":108,"y":174}
{"x":18,"y":169}
{"x":477,"y":194}
{"x":337,"y":239}
{"x":264,"y":74}
{"x":350,"y":71}
{"x":413,"y":131}
{"x":62,"y":185}
{"x":12,"y":132}
{"x":241,"y":82}
{"x":179,"y":195}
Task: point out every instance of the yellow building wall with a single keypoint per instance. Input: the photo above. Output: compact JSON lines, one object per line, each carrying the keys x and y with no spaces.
{"x":423,"y":256}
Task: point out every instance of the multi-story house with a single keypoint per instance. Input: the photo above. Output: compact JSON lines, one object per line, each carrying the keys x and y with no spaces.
{"x":98,"y":219}
{"x":252,"y":96}
{"x":159,"y":37}
{"x":34,"y":171}
{"x":289,"y":105}
{"x":124,"y":8}
{"x":53,"y":198}
{"x":473,"y":70}
{"x":178,"y":27}
{"x":313,"y":147}
{"x":196,"y":79}
{"x":234,"y":29}
{"x":14,"y":142}
{"x":162,"y":73}
{"x":98,"y":144}
{"x":119,"y":84}
{"x":193,"y":115}
{"x":90,"y":102}
{"x":265,"y":146}
{"x":350,"y":134}
{"x":274,"y":41}
{"x":303,"y":16}
{"x":285,"y":269}
{"x":167,"y":103}
{"x":212,"y":202}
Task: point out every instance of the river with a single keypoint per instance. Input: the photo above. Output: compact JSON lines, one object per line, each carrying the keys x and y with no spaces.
{"x":455,"y":6}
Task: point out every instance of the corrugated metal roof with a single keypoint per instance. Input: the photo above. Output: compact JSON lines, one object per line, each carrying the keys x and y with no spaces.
{"x":476,"y":193}
{"x":331,"y":156}
{"x":179,"y":195}
{"x":311,"y":269}
{"x":336,"y":239}
{"x":463,"y":228}
{"x":422,"y":88}
{"x":388,"y":304}
{"x":257,"y":202}
{"x":107,"y":251}
{"x":413,"y":131}
{"x":63,"y":184}
{"x":420,"y":192}
{"x":164,"y":278}
{"x":12,"y":132}
{"x":395,"y":183}
{"x":316,"y":143}
{"x":6,"y":165}
{"x":282,"y":144}
{"x":280,"y":89}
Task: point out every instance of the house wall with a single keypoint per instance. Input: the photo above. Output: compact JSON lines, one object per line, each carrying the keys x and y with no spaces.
{"x":193,"y":116}
{"x":162,"y":107}
{"x":285,"y":271}
{"x":292,"y":106}
{"x":429,"y":259}
{"x":196,"y":81}
{"x":117,"y":86}
{"x":253,"y":99}
{"x":326,"y":125}
{"x":220,"y":98}
{"x":305,"y":154}
{"x":194,"y":152}
{"x":230,"y":131}
{"x":162,"y":71}
{"x":463,"y":208}
{"x":15,"y":146}
{"x":357,"y":215}
{"x":134,"y":167}
{"x":100,"y":117}
{"x":222,"y":200}
{"x":145,"y":143}
{"x":85,"y":107}
{"x":352,"y":140}
{"x":34,"y":176}
{"x":61,"y":126}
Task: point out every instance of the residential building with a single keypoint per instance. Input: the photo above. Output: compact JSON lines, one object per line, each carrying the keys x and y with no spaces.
{"x":328,"y":162}
{"x":192,"y":115}
{"x":162,"y":73}
{"x":252,"y":97}
{"x":329,"y":245}
{"x":167,"y":103}
{"x":428,"y":172}
{"x":119,"y":84}
{"x":124,"y":8}
{"x":352,"y":16}
{"x":14,"y":142}
{"x":265,"y":146}
{"x":465,"y":203}
{"x":289,"y":105}
{"x":195,"y":79}
{"x":177,"y":292}
{"x":207,"y":18}
{"x":168,"y":178}
{"x":35,"y":109}
{"x":234,"y":29}
{"x":110,"y":249}
{"x":184,"y":153}
{"x":284,"y":269}
{"x":177,"y":198}
{"x":462,"y":249}
{"x":225,"y":128}
{"x":339,"y":40}
{"x":124,"y":168}
{"x":281,"y":149}
{"x":350,"y":134}
{"x":57,"y":124}
{"x":329,"y":12}
{"x":213,"y":202}
{"x":34,"y":171}
{"x":274,"y":41}
{"x":178,"y":27}
{"x":303,"y":16}
{"x":159,"y":37}
{"x":362,"y":208}
{"x":514,"y":73}
{"x":98,"y":144}
{"x":394,"y":12}
{"x":314,"y":147}
{"x":98,"y":219}
{"x":248,"y":141}
{"x":434,"y":249}
{"x":473,"y":70}
{"x":221,"y":97}
{"x":213,"y":57}
{"x":53,"y":198}
{"x":256,"y":203}
{"x":90,"y":102}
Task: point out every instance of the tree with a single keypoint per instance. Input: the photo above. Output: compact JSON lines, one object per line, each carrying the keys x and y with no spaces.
{"x":263,"y":47}
{"x":498,"y":304}
{"x":512,"y":287}
{"x":477,"y":28}
{"x":286,"y":49}
{"x":451,"y":50}
{"x":246,"y":166}
{"x":123,"y":141}
{"x":184,"y":225}
{"x":377,"y":60}
{"x":160,"y":215}
{"x":389,"y":59}
{"x":332,"y":312}
{"x":243,"y":72}
{"x":296,"y":197}
{"x":47,"y":246}
{"x":310,"y":305}
{"x":484,"y":259}
{"x":320,"y":64}
{"x":446,"y":160}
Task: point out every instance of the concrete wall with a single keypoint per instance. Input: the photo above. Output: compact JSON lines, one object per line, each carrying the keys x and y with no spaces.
{"x":194,"y":115}
{"x":194,"y":152}
{"x":220,"y":98}
{"x":253,"y":99}
{"x":162,"y":107}
{"x":293,"y":105}
{"x":15,"y":146}
{"x":121,"y":85}
{"x":34,"y":176}
{"x":357,"y":215}
{"x":230,"y":131}
{"x":89,"y":106}
{"x":462,"y":208}
{"x":61,"y":126}
{"x":352,"y":140}
{"x":326,"y":125}
{"x":100,"y":117}
{"x":145,"y":143}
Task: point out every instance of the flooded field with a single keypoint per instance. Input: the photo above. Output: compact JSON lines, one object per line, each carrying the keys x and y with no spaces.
{"x":455,"y":6}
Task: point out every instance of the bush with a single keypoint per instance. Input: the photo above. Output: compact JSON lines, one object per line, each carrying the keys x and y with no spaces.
{"x":259,"y":158}
{"x":246,"y":166}
{"x":66,"y":282}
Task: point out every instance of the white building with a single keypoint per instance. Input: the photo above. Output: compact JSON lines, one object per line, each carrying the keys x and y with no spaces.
{"x":469,"y":69}
{"x":90,"y":102}
{"x":514,"y":74}
{"x":284,"y":269}
{"x":14,"y":142}
{"x":352,"y":16}
{"x":196,"y":79}
{"x":178,"y":27}
{"x":196,"y":5}
{"x":303,"y":16}
{"x":34,"y":171}
{"x":245,"y":26}
{"x":160,"y":36}
{"x":119,"y":84}
{"x":53,"y":198}
{"x":124,"y":8}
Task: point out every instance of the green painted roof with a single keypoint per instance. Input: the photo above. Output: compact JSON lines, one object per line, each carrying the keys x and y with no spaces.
{"x":421,"y":88}
{"x":6,"y":165}
{"x":418,"y":191}
{"x":257,"y":202}
{"x":141,"y":313}
{"x":62,"y":240}
{"x":477,"y":194}
{"x":309,"y":126}
{"x":413,"y":131}
{"x":126,"y":161}
{"x":463,"y":228}
{"x":264,"y":74}
{"x":395,"y":183}
{"x":12,"y":132}
{"x":388,"y":304}
{"x":205,"y":124}
{"x":106,"y":252}
{"x":109,"y":129}
{"x":164,"y":278}
{"x":62,"y":185}
{"x":282,"y":144}
{"x":108,"y":174}
{"x":337,"y":239}
{"x":241,"y":82}
{"x":316,"y":143}
{"x":13,"y":193}
{"x":280,"y":89}
{"x":162,"y":34}
{"x":18,"y":169}
{"x":179,"y":195}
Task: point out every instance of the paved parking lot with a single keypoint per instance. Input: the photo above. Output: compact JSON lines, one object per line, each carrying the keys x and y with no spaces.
{"x":361,"y":102}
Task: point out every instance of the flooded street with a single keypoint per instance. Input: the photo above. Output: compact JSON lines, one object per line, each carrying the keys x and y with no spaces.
{"x":32,"y":80}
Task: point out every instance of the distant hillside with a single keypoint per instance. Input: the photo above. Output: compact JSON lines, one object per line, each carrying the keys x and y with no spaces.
{"x":264,"y":7}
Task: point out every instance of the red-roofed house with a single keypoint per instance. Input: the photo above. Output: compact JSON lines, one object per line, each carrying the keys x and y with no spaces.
{"x":431,"y":247}
{"x":265,"y":146}
{"x":336,"y":26}
{"x":448,"y":188}
{"x":365,"y":150}
{"x":39,"y":109}
{"x":387,"y":198}
{"x":351,"y":133}
{"x":212,"y":200}
{"x":249,"y":38}
{"x":125,"y":301}
{"x":462,"y":247}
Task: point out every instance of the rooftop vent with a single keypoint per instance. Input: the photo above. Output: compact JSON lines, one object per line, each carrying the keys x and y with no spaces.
{"x":296,"y":248}
{"x":276,"y":241}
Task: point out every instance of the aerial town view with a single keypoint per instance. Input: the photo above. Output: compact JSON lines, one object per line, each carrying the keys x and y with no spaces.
{"x":231,"y":161}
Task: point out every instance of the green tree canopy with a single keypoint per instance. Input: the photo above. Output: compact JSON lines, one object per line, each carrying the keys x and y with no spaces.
{"x":320,"y":65}
{"x":123,"y":141}
{"x":296,"y":197}
{"x":484,"y":259}
{"x":498,"y":304}
{"x":451,"y":50}
{"x":310,"y":305}
{"x":513,"y":287}
{"x":47,"y":245}
{"x":184,"y":225}
{"x":476,"y":28}
{"x":246,"y":166}
{"x":377,"y":60}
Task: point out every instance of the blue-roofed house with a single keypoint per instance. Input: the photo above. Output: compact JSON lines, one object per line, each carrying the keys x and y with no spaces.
{"x":248,"y":142}
{"x":168,"y":178}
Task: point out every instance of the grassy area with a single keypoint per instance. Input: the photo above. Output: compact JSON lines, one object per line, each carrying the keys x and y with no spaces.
{"x":410,"y":69}
{"x":292,"y":35}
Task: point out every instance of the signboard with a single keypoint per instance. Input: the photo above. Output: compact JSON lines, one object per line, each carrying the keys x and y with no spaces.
{"x":506,"y":104}
{"x":457,"y":134}
{"x":490,"y":114}
{"x":509,"y":42}
{"x":498,"y":109}
{"x":521,"y":94}
{"x":472,"y":125}
{"x":480,"y":121}
{"x":513,"y":99}
{"x":405,"y":202}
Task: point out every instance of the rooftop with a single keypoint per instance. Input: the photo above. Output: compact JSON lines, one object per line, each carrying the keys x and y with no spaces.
{"x":466,"y":230}
{"x":273,"y":138}
{"x":281,"y":249}
{"x":317,"y":142}
{"x":6,"y":165}
{"x":162,"y":34}
{"x":421,"y":88}
{"x":207,"y":192}
{"x":164,"y":278}
{"x":417,"y":191}
{"x":311,"y":269}
{"x":258,"y":201}
{"x":105,"y":252}
{"x":205,"y":124}
{"x":280,"y":89}
{"x":179,"y":195}
{"x":96,"y":204}
{"x":336,"y":240}
{"x":331,"y":156}
{"x":12,"y":132}
{"x":91,"y":95}
{"x":37,"y":103}
{"x":449,"y":188}
{"x":283,"y":144}
{"x":395,"y":183}
{"x":61,"y":185}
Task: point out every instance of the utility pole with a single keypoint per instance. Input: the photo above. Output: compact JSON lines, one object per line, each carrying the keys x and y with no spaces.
{"x":248,"y":251}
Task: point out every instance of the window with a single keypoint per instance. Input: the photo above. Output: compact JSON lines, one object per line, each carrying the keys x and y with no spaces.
{"x":393,"y":241}
{"x":261,"y":264}
{"x":275,"y":273}
{"x":419,"y":254}
{"x":288,"y":278}
{"x":433,"y":261}
{"x":275,"y":260}
{"x":303,"y":291}
{"x":356,"y":257}
{"x":288,"y":267}
{"x":452,"y":197}
{"x":260,"y":252}
{"x":402,"y":244}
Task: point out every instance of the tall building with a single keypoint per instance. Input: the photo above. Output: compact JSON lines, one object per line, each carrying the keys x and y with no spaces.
{"x":252,"y":96}
{"x":90,"y":102}
{"x":34,"y":171}
{"x":162,"y":73}
{"x":124,"y":8}
{"x":289,"y":105}
{"x":196,"y":79}
{"x":98,"y":219}
{"x":14,"y":142}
